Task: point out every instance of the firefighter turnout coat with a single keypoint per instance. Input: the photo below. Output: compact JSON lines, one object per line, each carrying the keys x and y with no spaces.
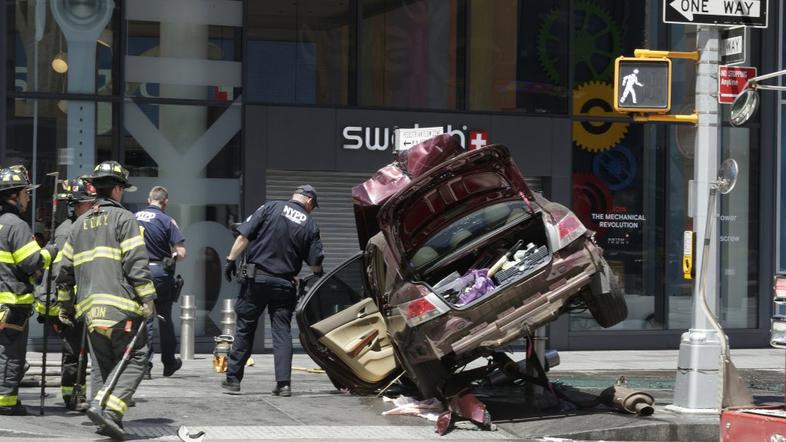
{"x":20,"y":258}
{"x":61,"y":234}
{"x":105,"y":261}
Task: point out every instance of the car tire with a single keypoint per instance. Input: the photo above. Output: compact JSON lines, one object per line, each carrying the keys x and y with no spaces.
{"x":608,"y":307}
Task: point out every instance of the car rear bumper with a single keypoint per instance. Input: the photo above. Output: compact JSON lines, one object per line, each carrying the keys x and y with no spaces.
{"x":505,"y":322}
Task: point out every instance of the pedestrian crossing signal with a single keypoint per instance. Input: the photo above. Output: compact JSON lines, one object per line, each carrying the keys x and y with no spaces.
{"x":642,"y":84}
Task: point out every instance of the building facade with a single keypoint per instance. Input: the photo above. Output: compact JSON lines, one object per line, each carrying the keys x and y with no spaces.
{"x":229,"y":103}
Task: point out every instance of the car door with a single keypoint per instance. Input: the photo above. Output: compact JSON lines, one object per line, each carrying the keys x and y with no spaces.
{"x":344,"y":332}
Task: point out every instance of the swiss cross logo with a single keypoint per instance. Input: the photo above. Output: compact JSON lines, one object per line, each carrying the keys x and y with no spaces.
{"x":478,"y":139}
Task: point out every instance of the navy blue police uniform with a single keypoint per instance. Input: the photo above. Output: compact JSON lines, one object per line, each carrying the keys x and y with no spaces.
{"x":161,"y":233}
{"x":281,"y":236}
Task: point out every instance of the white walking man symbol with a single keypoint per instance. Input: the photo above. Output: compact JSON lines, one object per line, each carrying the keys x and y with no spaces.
{"x":628,"y":82}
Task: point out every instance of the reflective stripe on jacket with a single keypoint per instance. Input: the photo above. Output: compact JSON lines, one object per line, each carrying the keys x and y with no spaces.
{"x":105,"y":257}
{"x":20,"y":258}
{"x":61,"y":235}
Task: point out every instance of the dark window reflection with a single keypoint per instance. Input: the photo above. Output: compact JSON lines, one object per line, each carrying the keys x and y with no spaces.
{"x":298,"y":51}
{"x":517,"y":54}
{"x":39,"y":53}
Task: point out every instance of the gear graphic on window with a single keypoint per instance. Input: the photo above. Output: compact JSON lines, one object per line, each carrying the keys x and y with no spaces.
{"x":594,"y":98}
{"x":596,"y":40}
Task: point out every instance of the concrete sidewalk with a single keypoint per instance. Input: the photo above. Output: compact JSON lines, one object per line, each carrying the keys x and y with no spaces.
{"x":193,"y":397}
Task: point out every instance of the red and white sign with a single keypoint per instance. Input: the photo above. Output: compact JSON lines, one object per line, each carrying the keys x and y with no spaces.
{"x":477,"y":139}
{"x":731,"y":81}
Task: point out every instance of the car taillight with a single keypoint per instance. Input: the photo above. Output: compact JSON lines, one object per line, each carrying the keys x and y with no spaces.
{"x":422,"y":309}
{"x":569,"y":228}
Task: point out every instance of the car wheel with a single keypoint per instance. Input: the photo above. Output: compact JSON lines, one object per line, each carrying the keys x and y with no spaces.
{"x":606,"y":302}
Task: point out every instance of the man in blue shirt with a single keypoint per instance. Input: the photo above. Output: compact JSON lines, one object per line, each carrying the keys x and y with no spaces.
{"x":279,"y":236}
{"x":164,"y":244}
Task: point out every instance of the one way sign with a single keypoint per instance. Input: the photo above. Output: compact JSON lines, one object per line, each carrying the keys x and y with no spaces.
{"x":716,"y":12}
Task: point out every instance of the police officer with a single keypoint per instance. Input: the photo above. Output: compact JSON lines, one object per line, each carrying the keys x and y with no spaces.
{"x":280,"y":235}
{"x":20,"y":259}
{"x":105,"y":258}
{"x":164,"y":246}
{"x":79,"y":195}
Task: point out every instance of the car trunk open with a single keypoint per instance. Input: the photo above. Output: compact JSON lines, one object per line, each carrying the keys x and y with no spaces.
{"x":457,"y":187}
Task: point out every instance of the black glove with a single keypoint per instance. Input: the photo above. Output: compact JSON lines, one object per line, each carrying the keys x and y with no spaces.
{"x":230,"y":269}
{"x":169,"y":264}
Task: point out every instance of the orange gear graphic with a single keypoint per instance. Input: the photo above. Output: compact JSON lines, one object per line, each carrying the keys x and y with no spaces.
{"x":595,"y":98}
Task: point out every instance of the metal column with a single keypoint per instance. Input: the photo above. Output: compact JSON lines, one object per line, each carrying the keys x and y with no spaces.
{"x":698,"y":384}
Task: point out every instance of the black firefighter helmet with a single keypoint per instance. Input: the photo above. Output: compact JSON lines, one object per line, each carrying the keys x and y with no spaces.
{"x":111,"y":173}
{"x":77,"y":190}
{"x":15,"y":178}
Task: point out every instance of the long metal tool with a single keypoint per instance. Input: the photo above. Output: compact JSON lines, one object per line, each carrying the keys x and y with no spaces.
{"x":48,"y":287}
{"x":122,"y":364}
{"x":81,"y":364}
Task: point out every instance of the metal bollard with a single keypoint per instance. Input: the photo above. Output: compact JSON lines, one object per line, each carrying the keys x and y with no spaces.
{"x":187,"y":320}
{"x":228,"y":317}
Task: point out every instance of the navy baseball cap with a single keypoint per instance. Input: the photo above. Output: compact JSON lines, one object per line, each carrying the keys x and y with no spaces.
{"x":309,"y":191}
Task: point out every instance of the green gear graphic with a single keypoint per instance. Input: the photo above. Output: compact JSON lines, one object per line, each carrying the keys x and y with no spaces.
{"x":596,"y":38}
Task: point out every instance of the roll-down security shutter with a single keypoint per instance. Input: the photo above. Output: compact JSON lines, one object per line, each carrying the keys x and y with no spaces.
{"x":335,"y":216}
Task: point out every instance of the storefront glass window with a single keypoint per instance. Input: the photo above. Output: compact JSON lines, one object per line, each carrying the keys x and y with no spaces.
{"x":169,"y":57}
{"x":46,"y":42}
{"x":738,"y":232}
{"x":194,"y":152}
{"x":515,"y":57}
{"x":299,"y":51}
{"x":409,"y":54}
{"x":737,"y":224}
{"x":617,"y":192}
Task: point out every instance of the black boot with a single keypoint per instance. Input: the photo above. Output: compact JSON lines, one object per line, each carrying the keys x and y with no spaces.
{"x":16,"y":410}
{"x":107,"y":424}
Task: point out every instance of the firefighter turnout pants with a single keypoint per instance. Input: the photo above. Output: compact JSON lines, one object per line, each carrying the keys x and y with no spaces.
{"x":108,"y":347}
{"x":72,"y":343}
{"x":13,"y":349}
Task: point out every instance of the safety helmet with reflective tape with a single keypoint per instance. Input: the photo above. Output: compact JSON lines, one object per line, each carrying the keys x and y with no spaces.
{"x":76,"y":190}
{"x":110,"y":173}
{"x":15,"y":177}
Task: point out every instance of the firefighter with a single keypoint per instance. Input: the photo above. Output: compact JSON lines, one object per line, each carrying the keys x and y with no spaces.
{"x":79,"y":195}
{"x":20,"y":259}
{"x":280,"y":235}
{"x":165,"y":246}
{"x":105,"y":258}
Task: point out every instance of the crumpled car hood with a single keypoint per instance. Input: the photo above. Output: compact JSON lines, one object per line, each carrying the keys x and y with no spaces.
{"x":369,"y":196}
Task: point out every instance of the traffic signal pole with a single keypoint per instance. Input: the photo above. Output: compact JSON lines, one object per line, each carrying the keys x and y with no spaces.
{"x":698,"y":383}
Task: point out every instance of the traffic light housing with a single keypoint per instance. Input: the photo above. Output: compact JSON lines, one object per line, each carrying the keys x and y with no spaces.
{"x":642,"y":84}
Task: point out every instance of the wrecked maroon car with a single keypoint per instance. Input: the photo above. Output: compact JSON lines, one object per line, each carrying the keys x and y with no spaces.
{"x":458,"y":258}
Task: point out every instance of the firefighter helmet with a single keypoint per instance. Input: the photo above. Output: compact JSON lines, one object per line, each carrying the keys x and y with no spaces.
{"x":110,"y":173}
{"x":77,"y":190}
{"x":15,"y":178}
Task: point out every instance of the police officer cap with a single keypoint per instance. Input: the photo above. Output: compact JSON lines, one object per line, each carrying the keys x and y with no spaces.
{"x":15,"y":178}
{"x":309,"y":191}
{"x":111,"y":173}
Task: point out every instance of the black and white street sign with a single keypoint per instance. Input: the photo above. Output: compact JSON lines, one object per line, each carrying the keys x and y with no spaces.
{"x":716,"y":12}
{"x":733,"y":45}
{"x":642,"y":84}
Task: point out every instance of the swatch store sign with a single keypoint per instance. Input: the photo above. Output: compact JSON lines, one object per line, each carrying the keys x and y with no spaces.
{"x":383,"y":138}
